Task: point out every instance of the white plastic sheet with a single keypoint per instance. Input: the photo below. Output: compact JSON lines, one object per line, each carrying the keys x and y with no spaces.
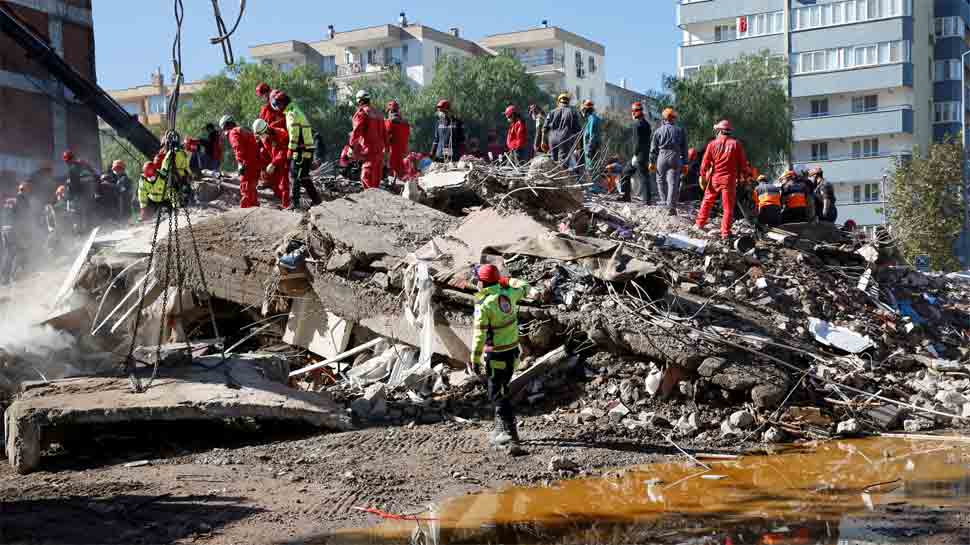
{"x":838,"y":336}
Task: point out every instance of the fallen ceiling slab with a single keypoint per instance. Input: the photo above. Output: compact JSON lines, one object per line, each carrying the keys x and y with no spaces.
{"x":239,"y":388}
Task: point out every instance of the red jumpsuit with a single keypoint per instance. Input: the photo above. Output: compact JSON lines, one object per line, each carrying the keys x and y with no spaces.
{"x":518,"y":137}
{"x":724,"y":162}
{"x":275,"y":144}
{"x":274,"y":118}
{"x":243,"y":145}
{"x":367,"y":141}
{"x":398,"y":133}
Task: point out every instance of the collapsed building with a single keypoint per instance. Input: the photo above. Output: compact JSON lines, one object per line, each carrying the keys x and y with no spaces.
{"x":800,"y":332}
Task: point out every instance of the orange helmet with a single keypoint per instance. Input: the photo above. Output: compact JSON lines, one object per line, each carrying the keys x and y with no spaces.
{"x":788,"y":175}
{"x":669,"y":113}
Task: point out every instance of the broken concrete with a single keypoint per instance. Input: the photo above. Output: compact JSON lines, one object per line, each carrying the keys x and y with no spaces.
{"x":237,"y":389}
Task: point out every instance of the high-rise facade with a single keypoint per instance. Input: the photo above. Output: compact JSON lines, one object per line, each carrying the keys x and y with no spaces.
{"x":869,"y":79}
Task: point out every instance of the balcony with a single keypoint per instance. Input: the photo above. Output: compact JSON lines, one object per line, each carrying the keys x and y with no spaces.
{"x":699,"y":11}
{"x":543,"y":63}
{"x":891,"y":120}
{"x":853,"y":80}
{"x":852,"y":169}
{"x":357,"y":70}
{"x":730,"y":50}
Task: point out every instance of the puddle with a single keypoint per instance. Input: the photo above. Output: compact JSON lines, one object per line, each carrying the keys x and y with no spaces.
{"x":880,"y":490}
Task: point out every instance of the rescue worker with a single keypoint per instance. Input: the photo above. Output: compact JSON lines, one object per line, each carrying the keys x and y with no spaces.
{"x":591,"y":139}
{"x":274,"y":118}
{"x":81,"y":179}
{"x":367,"y":141}
{"x":768,"y":198}
{"x":824,"y":196}
{"x":348,"y":165}
{"x":724,"y":163}
{"x":690,"y":189}
{"x":539,"y":140}
{"x":8,"y":239}
{"x":154,"y":193}
{"x":172,"y":163}
{"x":795,"y":196}
{"x":562,"y":128}
{"x":106,"y":198}
{"x":517,"y":137}
{"x":123,"y":189}
{"x":243,"y":145}
{"x":448,"y":141}
{"x":398,"y":133}
{"x":274,"y":147}
{"x":214,"y":148}
{"x":495,"y":346}
{"x":668,"y":159}
{"x":301,"y":149}
{"x":638,"y":162}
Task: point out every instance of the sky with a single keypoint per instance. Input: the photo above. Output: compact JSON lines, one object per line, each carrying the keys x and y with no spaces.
{"x":640,"y":47}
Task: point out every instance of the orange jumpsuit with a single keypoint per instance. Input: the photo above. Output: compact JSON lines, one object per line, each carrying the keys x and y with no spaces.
{"x":367,"y":141}
{"x":275,"y":144}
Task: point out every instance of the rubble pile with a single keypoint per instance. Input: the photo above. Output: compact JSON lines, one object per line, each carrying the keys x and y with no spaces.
{"x":635,"y":320}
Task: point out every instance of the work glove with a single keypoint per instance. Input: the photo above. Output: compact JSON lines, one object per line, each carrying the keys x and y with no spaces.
{"x":653,"y":168}
{"x":635,"y":161}
{"x":289,"y":155}
{"x":271,"y":169}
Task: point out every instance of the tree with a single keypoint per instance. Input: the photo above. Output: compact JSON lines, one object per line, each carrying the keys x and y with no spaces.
{"x":479,"y":89}
{"x":749,"y":93}
{"x":233,"y":92}
{"x":925,"y":209}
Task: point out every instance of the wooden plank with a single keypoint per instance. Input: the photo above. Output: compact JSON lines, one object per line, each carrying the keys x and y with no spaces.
{"x":75,"y":271}
{"x":352,"y":352}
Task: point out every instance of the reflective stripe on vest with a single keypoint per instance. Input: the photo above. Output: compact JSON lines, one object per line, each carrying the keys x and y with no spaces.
{"x":768,"y":195}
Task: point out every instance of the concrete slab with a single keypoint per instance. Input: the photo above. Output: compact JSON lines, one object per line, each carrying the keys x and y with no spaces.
{"x":310,"y":326}
{"x":451,"y":339}
{"x":243,"y":387}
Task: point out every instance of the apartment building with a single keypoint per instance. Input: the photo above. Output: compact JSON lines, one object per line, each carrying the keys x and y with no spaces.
{"x":560,"y":60}
{"x":150,"y":102}
{"x":39,"y":117}
{"x":350,"y":55}
{"x":869,"y":79}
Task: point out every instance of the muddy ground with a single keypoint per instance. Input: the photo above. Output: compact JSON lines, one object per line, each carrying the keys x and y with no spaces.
{"x":225,"y":485}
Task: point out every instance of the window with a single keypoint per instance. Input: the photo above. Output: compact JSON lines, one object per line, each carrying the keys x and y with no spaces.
{"x":850,"y":57}
{"x":437,"y":54}
{"x":865,"y":148}
{"x":404,"y":53}
{"x":946,"y":112}
{"x":157,"y":104}
{"x":328,"y":64}
{"x":820,"y":107}
{"x":820,"y":151}
{"x":946,"y":27}
{"x":847,"y":11}
{"x":865,"y":193}
{"x":946,"y":70}
{"x":286,"y":67}
{"x":723,"y":33}
{"x":867,"y":103}
{"x":592,"y":64}
{"x":580,"y":71}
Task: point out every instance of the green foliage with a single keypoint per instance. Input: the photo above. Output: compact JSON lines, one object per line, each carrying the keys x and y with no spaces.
{"x":478,"y":88}
{"x":233,"y":92}
{"x":113,"y":147}
{"x":750,"y":94}
{"x":925,"y":208}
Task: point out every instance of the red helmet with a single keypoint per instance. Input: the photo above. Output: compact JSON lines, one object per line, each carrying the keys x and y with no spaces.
{"x":636,"y":107}
{"x":443,"y":105}
{"x":724,"y":125}
{"x":149,"y":169}
{"x":279,"y":100}
{"x":488,"y":274}
{"x":68,"y":155}
{"x":393,"y":106}
{"x":587,"y":104}
{"x":511,"y":110}
{"x":849,"y":225}
{"x":262,"y":90}
{"x":692,"y":155}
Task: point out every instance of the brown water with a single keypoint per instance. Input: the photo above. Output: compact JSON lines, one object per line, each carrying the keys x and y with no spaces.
{"x":877,"y":490}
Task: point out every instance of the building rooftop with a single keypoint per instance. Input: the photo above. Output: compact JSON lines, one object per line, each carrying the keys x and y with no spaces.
{"x":509,"y":39}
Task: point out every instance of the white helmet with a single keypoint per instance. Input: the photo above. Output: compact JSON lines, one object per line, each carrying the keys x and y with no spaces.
{"x":363,"y":95}
{"x":260,"y":126}
{"x":226,"y":120}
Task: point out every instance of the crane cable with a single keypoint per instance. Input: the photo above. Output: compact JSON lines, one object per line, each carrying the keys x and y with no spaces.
{"x":224,"y":34}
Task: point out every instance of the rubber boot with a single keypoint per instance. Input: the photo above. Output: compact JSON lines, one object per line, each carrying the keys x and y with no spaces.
{"x":294,"y":194}
{"x":513,"y":430}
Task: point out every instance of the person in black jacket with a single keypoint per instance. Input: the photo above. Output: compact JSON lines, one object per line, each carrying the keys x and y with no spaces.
{"x":562,"y":129}
{"x":448,"y":142}
{"x":638,"y":164}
